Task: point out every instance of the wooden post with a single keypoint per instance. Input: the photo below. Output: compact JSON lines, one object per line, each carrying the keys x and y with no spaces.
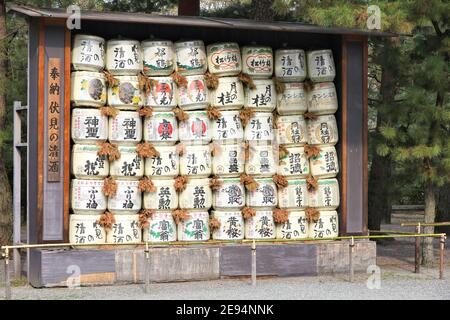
{"x":7,"y":279}
{"x":147,"y":262}
{"x":417,"y":256}
{"x":350,"y":260}
{"x":254,"y":263}
{"x":189,"y":7}
{"x":442,"y":257}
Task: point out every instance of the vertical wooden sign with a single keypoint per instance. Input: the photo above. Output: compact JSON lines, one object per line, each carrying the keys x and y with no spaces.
{"x":54,"y":92}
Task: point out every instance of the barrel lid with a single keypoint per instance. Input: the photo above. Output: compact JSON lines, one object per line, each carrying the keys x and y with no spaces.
{"x":163,"y":79}
{"x":320,"y":51}
{"x":189,"y":43}
{"x":323,"y":117}
{"x":289,"y":51}
{"x":291,"y":117}
{"x":88,"y":37}
{"x":323,"y":85}
{"x":156,"y":43}
{"x":85,"y":148}
{"x":256,"y":48}
{"x":223,"y":45}
{"x":126,"y":113}
{"x":122,"y":41}
{"x":127,"y":78}
{"x":262,"y":82}
{"x":228,"y":79}
{"x":87,"y":111}
{"x":327,"y":181}
{"x":87,"y":74}
{"x":127,"y":149}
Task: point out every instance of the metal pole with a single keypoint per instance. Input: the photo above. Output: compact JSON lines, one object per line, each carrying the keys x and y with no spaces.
{"x":351,"y":267}
{"x":17,"y":166}
{"x":442,"y":257}
{"x":7,"y":280}
{"x":417,"y":256}
{"x":147,"y":262}
{"x":254,"y":263}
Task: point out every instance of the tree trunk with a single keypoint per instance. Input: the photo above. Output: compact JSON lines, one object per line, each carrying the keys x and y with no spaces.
{"x":430,"y":214}
{"x":5,"y":187}
{"x":443,"y":208}
{"x":262,"y":10}
{"x":380,"y":203}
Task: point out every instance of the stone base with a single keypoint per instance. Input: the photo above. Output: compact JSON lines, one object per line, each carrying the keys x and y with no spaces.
{"x":203,"y":262}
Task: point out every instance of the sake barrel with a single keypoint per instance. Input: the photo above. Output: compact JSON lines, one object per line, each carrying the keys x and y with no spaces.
{"x":89,"y":126}
{"x":260,"y":226}
{"x":290,"y":65}
{"x":224,"y":59}
{"x":196,"y":161}
{"x":195,"y":130}
{"x":130,"y":166}
{"x":325,"y":165}
{"x":123,"y":57}
{"x":228,"y":128}
{"x":323,"y":130}
{"x":295,"y":228}
{"x":87,"y":164}
{"x":294,"y":196}
{"x":323,"y":99}
{"x":293,"y":100}
{"x":165,"y":196}
{"x":263,"y":98}
{"x":260,"y":127}
{"x":127,"y":199}
{"x":291,"y":129}
{"x":162,"y":228}
{"x":228,"y":160}
{"x":88,"y":53}
{"x":161,"y":128}
{"x":257,"y":61}
{"x":327,"y":226}
{"x":190,"y":57}
{"x":87,"y":196}
{"x":125,"y":128}
{"x":229,"y":94}
{"x":166,"y":165}
{"x":195,"y":95}
{"x":231,"y":225}
{"x":163,"y":94}
{"x":261,"y":161}
{"x":321,"y":66}
{"x":326,"y":197}
{"x":87,"y":89}
{"x":296,"y":163}
{"x":126,"y":95}
{"x":158,"y":57}
{"x":197,"y":195}
{"x":230,"y":195}
{"x":85,"y":229}
{"x":125,"y":229}
{"x":264,"y":196}
{"x":195,"y":228}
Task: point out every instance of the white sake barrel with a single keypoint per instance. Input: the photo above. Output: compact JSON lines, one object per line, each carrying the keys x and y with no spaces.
{"x":161,"y":128}
{"x":196,"y":161}
{"x":294,"y":196}
{"x":127,"y":199}
{"x":296,"y":163}
{"x":87,"y":196}
{"x":84,"y":229}
{"x":326,"y":197}
{"x":125,"y":128}
{"x":196,"y":228}
{"x":260,"y":226}
{"x":167,"y":165}
{"x":89,"y":126}
{"x":190,"y":57}
{"x":263,"y":98}
{"x":125,"y":229}
{"x":129,"y":166}
{"x":262,"y":161}
{"x":195,"y":130}
{"x":88,"y":53}
{"x":323,"y":130}
{"x":87,"y":89}
{"x":327,"y":226}
{"x":265,"y":196}
{"x":163,"y":94}
{"x":158,"y":57}
{"x":197,"y":195}
{"x":295,"y":228}
{"x":260,"y":127}
{"x":231,"y":225}
{"x":257,"y":61}
{"x":291,"y":129}
{"x":229,"y":160}
{"x":326,"y":164}
{"x":231,"y":195}
{"x":323,"y":99}
{"x":321,"y":66}
{"x":162,"y":228}
{"x":290,"y":65}
{"x":126,"y":95}
{"x":165,"y":196}
{"x":228,"y":128}
{"x":229,"y":94}
{"x":123,"y":57}
{"x":86,"y":164}
{"x":195,"y":95}
{"x":224,"y":59}
{"x":293,"y":100}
